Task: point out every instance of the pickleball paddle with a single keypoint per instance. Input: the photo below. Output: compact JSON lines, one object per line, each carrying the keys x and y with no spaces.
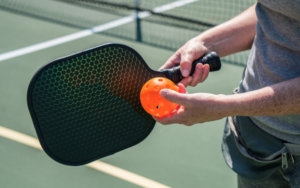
{"x":86,"y":106}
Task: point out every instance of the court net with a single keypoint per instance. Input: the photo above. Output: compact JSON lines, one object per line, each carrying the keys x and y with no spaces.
{"x":168,"y":24}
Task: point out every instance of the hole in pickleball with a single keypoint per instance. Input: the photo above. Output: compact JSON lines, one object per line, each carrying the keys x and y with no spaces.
{"x":156,"y":88}
{"x":160,"y":80}
{"x":147,"y":86}
{"x":167,"y":86}
{"x":157,"y":107}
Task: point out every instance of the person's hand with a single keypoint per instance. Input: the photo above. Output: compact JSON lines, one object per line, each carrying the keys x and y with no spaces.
{"x":192,"y":108}
{"x":185,"y":56}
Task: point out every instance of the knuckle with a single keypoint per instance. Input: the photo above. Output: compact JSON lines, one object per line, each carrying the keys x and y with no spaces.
{"x":190,"y":51}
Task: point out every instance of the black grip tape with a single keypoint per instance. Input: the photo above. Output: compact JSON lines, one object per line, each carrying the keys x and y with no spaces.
{"x":211,"y":58}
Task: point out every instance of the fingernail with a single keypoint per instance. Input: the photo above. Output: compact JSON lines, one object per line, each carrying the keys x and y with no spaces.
{"x":200,"y":66}
{"x":185,"y":73}
{"x":163,"y":92}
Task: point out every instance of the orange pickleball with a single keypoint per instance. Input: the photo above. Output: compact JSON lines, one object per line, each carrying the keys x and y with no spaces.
{"x":152,"y":101}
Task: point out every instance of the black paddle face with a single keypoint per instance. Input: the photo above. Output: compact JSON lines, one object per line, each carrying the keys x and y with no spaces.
{"x":87,"y":106}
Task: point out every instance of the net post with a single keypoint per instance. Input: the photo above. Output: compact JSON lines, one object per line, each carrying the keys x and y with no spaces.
{"x":138,"y":22}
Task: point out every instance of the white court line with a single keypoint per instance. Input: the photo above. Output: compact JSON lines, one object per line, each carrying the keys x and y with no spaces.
{"x":87,"y":32}
{"x":97,"y":165}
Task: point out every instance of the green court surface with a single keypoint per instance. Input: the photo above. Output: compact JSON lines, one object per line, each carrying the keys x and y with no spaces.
{"x":173,"y":155}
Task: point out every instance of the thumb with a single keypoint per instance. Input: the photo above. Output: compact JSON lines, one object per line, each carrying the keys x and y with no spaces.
{"x":187,"y":59}
{"x":175,"y":97}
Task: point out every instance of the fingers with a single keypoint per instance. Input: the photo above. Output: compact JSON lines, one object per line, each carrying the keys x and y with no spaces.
{"x":187,"y":59}
{"x":172,"y":118}
{"x":186,"y":81}
{"x":181,"y":88}
{"x":178,"y":115}
{"x":197,"y":76}
{"x":175,"y":97}
{"x":205,"y":72}
{"x":200,"y":74}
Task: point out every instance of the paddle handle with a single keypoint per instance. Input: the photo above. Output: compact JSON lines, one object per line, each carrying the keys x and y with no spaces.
{"x":211,"y":58}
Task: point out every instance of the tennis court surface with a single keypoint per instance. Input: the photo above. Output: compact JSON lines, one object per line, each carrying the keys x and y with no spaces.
{"x":172,"y":156}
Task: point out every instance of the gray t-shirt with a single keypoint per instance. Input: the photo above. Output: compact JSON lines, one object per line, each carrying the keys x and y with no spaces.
{"x":274,"y":58}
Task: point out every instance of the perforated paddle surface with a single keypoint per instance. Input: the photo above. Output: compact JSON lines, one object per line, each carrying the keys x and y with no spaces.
{"x":87,"y":105}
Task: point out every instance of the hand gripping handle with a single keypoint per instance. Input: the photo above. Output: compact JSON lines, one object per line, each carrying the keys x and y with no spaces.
{"x":211,"y":58}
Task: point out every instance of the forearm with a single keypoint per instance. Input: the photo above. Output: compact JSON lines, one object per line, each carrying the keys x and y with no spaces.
{"x":232,"y":36}
{"x":279,"y":99}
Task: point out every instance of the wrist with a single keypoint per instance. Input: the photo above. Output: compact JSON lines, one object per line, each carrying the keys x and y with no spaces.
{"x":207,"y":42}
